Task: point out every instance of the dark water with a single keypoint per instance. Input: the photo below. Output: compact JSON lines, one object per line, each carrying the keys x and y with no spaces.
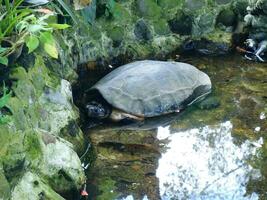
{"x":203,"y":154}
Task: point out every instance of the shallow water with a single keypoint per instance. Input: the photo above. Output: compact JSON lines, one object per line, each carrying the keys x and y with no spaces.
{"x":203,"y":154}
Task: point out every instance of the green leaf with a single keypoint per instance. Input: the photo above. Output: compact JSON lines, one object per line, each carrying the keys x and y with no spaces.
{"x":51,"y":50}
{"x":49,"y":44}
{"x":47,"y":37}
{"x":32,"y":43}
{"x":2,"y":49}
{"x":4,"y":60}
{"x":4,"y":99}
{"x":59,"y":26}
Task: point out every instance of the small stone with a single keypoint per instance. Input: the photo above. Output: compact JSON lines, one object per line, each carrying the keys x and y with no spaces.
{"x":262,"y":116}
{"x":257,"y":129}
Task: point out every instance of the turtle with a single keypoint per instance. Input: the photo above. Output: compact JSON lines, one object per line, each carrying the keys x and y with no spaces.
{"x":144,"y":89}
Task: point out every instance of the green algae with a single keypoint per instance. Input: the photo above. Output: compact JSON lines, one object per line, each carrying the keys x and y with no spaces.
{"x":33,"y":147}
{"x":108,"y":189}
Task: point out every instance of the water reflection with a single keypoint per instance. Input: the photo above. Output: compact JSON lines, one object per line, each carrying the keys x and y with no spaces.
{"x":205,"y":164}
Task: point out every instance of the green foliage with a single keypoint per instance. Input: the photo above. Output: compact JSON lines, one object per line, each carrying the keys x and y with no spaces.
{"x":32,"y":43}
{"x":10,"y":15}
{"x":39,"y":31}
{"x":19,"y":25}
{"x":49,"y":44}
{"x":3,"y":102}
{"x":68,"y":10}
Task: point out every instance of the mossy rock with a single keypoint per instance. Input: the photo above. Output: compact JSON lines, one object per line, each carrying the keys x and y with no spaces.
{"x":204,"y":23}
{"x":194,"y":5}
{"x":119,"y":13}
{"x":148,"y":9}
{"x":116,"y":33}
{"x":222,"y":2}
{"x":169,"y":4}
{"x":227,"y":17}
{"x":33,"y":148}
{"x":161,"y":27}
{"x":142,"y":30}
{"x":4,"y":185}
{"x":182,"y":24}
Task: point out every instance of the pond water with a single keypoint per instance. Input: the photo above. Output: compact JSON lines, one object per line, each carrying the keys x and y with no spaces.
{"x":200,"y":154}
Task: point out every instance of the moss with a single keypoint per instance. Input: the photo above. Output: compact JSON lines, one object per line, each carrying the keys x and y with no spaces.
{"x":32,"y":146}
{"x":194,"y":5}
{"x":161,"y":27}
{"x":108,"y":189}
{"x":118,"y":12}
{"x":116,"y":33}
{"x":227,"y":18}
{"x":222,"y":2}
{"x":4,"y":185}
{"x":148,"y":9}
{"x":204,"y":23}
{"x":220,"y":36}
{"x":169,"y":4}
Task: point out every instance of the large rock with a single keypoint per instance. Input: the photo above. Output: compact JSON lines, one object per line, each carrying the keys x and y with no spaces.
{"x":36,"y":158}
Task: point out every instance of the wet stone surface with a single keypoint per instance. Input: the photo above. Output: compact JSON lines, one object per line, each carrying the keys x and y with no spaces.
{"x":216,"y":152}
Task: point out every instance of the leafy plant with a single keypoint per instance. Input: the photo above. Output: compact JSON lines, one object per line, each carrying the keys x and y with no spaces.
{"x":3,"y":101}
{"x":37,"y":31}
{"x":24,"y":25}
{"x":10,"y":15}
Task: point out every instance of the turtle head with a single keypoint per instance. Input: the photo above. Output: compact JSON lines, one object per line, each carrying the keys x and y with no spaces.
{"x":97,"y":110}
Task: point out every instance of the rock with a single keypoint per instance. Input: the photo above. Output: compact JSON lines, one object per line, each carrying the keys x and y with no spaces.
{"x":161,"y":27}
{"x":4,"y":185}
{"x":142,"y":31}
{"x":60,"y":164}
{"x":31,"y":187}
{"x":116,"y":33}
{"x":209,"y":103}
{"x":182,"y":24}
{"x":222,"y":2}
{"x":195,"y":4}
{"x":148,"y":9}
{"x":227,"y":18}
{"x":41,"y":105}
{"x":134,"y":153}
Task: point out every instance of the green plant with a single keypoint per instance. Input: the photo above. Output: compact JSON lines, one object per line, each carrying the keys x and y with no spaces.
{"x":3,"y":102}
{"x":19,"y":25}
{"x":37,"y":31}
{"x":10,"y":15}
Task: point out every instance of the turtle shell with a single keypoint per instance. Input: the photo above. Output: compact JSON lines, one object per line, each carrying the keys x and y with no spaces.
{"x":151,"y":88}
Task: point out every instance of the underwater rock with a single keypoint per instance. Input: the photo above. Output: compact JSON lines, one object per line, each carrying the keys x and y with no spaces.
{"x":135,"y":153}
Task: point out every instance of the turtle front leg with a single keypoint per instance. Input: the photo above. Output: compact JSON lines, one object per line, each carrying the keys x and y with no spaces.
{"x":118,"y":115}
